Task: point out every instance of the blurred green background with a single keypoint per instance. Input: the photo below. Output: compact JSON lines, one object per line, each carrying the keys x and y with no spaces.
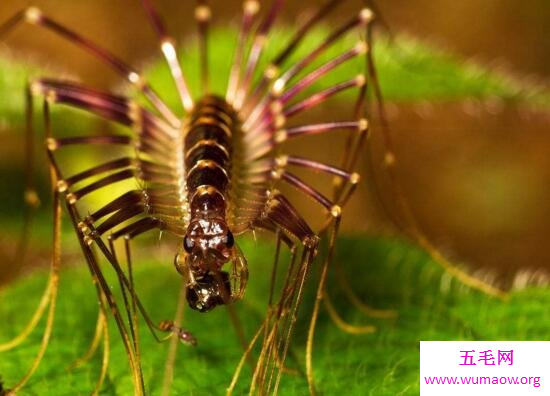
{"x":476,"y":171}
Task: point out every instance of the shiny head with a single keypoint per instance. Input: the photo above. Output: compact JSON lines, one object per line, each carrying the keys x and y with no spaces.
{"x":208,"y":245}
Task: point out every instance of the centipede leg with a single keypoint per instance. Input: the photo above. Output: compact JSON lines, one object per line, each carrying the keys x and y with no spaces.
{"x":284,"y":309}
{"x":134,"y":306}
{"x":350,"y":179}
{"x":129,"y":232}
{"x":130,"y":308}
{"x":274,"y":314}
{"x":34,"y":16}
{"x":106,"y":298}
{"x":281,"y":218}
{"x":101,"y":335}
{"x":31,"y":202}
{"x":344,"y":181}
{"x":256,"y":50}
{"x":106,"y":293}
{"x":335,"y":211}
{"x":282,"y":215}
{"x":173,"y":346}
{"x":168,"y":48}
{"x":243,"y":359}
{"x":303,"y":270}
{"x":287,"y":51}
{"x":278,"y":347}
{"x":314,"y":315}
{"x":49,"y":298}
{"x":53,"y":289}
{"x":31,"y":198}
{"x":411,"y":226}
{"x":250,"y":10}
{"x":106,"y":354}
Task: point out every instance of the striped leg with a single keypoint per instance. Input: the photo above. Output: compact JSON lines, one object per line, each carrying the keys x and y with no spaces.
{"x":35,"y":16}
{"x":284,"y":217}
{"x":49,"y":298}
{"x":280,"y":217}
{"x":351,"y":180}
{"x":410,"y":226}
{"x":279,"y":114}
{"x":280,"y":96}
{"x":167,"y":46}
{"x":250,"y":10}
{"x":355,"y":143}
{"x":283,"y":214}
{"x":49,"y":301}
{"x":51,"y":94}
{"x":124,"y":207}
{"x":128,"y":233}
{"x":63,"y":186}
{"x":258,"y":45}
{"x":286,"y":52}
{"x":31,"y":203}
{"x":104,"y":292}
{"x":281,"y":317}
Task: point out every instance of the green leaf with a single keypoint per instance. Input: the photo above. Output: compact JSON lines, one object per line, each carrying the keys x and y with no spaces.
{"x":386,"y":274}
{"x":411,"y":70}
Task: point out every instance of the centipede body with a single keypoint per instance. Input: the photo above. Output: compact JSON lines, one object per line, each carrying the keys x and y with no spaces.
{"x":212,"y":174}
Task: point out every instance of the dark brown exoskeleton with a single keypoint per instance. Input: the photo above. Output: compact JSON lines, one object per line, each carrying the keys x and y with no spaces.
{"x":206,"y":177}
{"x":208,"y":243}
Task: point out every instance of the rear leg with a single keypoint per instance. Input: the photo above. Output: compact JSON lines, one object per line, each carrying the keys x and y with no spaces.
{"x":277,"y":315}
{"x":409,"y":224}
{"x":107,"y":295}
{"x":31,"y":203}
{"x":280,"y":216}
{"x":335,"y":211}
{"x":104,"y":292}
{"x":34,"y":16}
{"x":31,"y":199}
{"x":49,"y":299}
{"x":349,"y":182}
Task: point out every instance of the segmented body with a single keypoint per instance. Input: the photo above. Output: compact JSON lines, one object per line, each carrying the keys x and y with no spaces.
{"x":209,"y":156}
{"x":211,"y":174}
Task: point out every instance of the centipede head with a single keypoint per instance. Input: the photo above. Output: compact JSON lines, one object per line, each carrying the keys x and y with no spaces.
{"x":207,"y":247}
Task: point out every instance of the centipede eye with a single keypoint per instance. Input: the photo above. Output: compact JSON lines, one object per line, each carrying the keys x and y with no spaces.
{"x":188,"y":244}
{"x":229,"y":240}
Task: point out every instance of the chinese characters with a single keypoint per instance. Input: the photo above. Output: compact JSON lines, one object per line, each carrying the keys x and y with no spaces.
{"x":487,"y":358}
